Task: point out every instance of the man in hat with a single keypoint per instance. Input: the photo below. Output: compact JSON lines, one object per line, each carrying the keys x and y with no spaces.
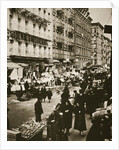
{"x":38,"y":110}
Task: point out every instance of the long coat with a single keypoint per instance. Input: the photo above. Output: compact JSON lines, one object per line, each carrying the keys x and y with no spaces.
{"x":80,"y":123}
{"x":81,"y":101}
{"x":49,"y":94}
{"x":43,"y":92}
{"x":95,"y":133}
{"x":38,"y":111}
{"x":65,"y":96}
{"x":68,"y":116}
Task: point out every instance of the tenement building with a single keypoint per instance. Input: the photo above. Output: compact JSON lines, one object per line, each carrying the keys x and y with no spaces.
{"x":29,"y":40}
{"x":38,"y":36}
{"x":63,"y":34}
{"x":106,"y":51}
{"x":72,"y":35}
{"x":96,"y":43}
{"x":101,"y":46}
{"x":82,"y":35}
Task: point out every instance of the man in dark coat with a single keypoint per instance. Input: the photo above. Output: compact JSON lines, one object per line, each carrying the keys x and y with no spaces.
{"x":38,"y":110}
{"x":67,"y":116}
{"x":43,"y":92}
{"x":49,"y":94}
{"x":75,"y":97}
{"x":95,"y":132}
{"x":66,"y":109}
{"x":26,"y":85}
{"x":80,"y":123}
{"x":66,"y":94}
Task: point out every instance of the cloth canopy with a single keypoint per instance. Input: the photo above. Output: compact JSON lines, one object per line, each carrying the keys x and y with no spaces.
{"x":55,"y":61}
{"x":12,"y":65}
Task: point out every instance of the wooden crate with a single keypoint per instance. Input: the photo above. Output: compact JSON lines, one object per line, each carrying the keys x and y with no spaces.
{"x":13,"y":135}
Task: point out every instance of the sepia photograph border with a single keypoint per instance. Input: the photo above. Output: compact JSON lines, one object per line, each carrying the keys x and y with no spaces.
{"x":4,"y":144}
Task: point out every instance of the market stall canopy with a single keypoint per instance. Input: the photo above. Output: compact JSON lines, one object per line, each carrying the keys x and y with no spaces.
{"x":23,"y":64}
{"x":55,"y":61}
{"x":11,"y":65}
{"x":65,"y":61}
{"x":94,"y":66}
{"x":48,"y":65}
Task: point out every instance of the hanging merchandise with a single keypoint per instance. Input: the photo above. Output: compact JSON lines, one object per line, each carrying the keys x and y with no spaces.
{"x":20,"y":73}
{"x":14,"y":75}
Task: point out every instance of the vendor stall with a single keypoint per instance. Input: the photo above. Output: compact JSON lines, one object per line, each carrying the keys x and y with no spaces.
{"x":29,"y":131}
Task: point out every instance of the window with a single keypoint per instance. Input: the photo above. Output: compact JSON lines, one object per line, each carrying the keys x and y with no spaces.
{"x":49,"y":14}
{"x":39,"y":9}
{"x":70,"y":47}
{"x":44,"y":29}
{"x":26,"y":22}
{"x":70,"y":35}
{"x":19,"y":43}
{"x":39,"y":27}
{"x":70,"y":21}
{"x":53,"y":28}
{"x":19,"y":20}
{"x":10,"y":17}
{"x":26,"y":44}
{"x":34,"y":45}
{"x":60,"y":29}
{"x":66,"y":32}
{"x":34,"y":25}
{"x":26,"y":48}
{"x":59,"y":45}
{"x":19,"y":47}
{"x":60,"y":13}
{"x":10,"y":21}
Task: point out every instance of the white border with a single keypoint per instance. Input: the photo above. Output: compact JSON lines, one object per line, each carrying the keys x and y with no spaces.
{"x":57,"y":145}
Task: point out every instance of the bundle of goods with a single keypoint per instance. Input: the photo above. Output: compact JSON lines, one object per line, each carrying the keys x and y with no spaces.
{"x":34,"y":91}
{"x":25,"y":96}
{"x":102,"y":111}
{"x":31,"y":128}
{"x":102,"y":124}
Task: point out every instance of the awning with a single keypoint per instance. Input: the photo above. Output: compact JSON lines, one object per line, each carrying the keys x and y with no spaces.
{"x":66,"y":61}
{"x":55,"y":61}
{"x":23,"y":64}
{"x":11,"y":65}
{"x":48,"y":65}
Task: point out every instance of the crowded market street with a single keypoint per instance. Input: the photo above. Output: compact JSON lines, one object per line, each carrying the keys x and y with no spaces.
{"x":59,"y":75}
{"x":26,"y":110}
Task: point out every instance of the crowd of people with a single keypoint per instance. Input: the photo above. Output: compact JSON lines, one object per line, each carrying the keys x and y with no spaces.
{"x":94,"y":92}
{"x":91,"y":96}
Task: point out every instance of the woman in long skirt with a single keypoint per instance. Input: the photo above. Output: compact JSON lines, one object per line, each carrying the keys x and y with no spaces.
{"x":80,"y":123}
{"x":67,"y":116}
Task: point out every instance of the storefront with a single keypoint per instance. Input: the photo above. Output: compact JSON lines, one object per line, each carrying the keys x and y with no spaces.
{"x":14,"y":71}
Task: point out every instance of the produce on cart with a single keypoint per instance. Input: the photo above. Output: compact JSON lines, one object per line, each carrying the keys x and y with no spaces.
{"x":30,"y":129}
